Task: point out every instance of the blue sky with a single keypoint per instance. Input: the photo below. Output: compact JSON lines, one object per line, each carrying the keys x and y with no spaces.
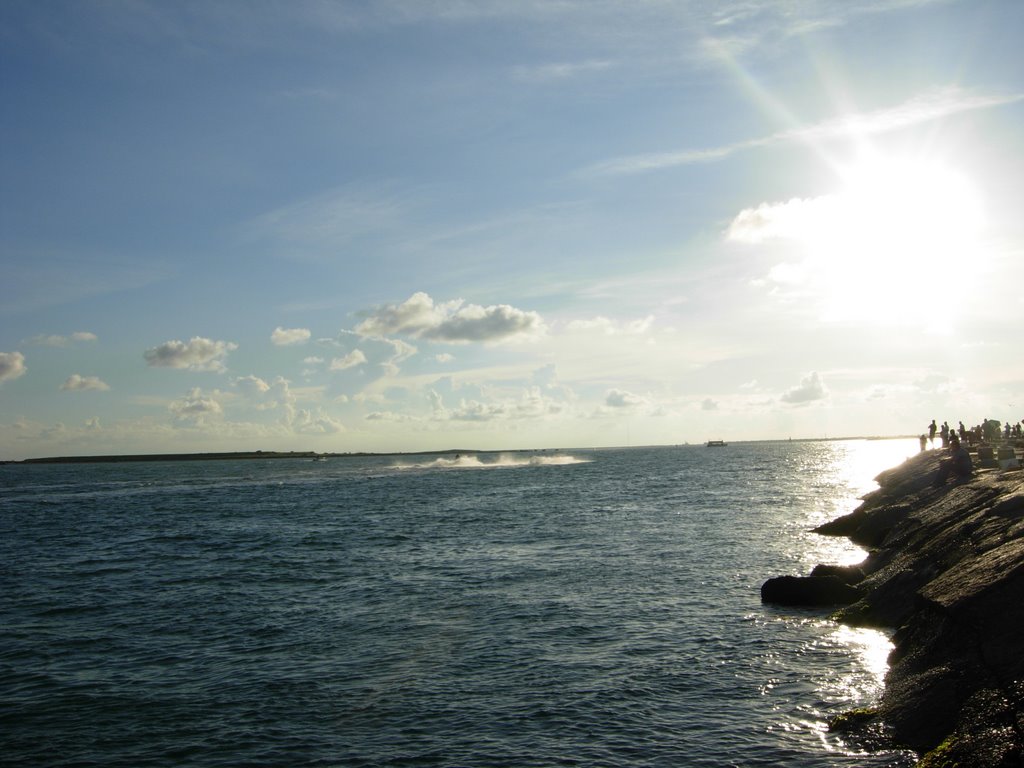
{"x":411,"y":224}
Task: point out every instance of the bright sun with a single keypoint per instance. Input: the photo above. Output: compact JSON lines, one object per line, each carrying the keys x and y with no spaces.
{"x":895,"y":241}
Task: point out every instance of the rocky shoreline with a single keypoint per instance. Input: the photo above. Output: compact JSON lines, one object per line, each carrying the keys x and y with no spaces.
{"x":945,"y":570}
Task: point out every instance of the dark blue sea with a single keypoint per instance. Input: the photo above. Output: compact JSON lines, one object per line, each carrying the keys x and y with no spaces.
{"x":570,"y":608}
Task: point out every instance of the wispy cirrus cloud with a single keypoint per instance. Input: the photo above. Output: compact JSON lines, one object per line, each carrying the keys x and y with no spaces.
{"x":559,"y":71}
{"x":334,"y":217}
{"x":57,"y":340}
{"x":924,"y":108}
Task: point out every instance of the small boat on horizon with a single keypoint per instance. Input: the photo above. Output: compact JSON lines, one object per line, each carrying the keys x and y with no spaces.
{"x":716,"y":443}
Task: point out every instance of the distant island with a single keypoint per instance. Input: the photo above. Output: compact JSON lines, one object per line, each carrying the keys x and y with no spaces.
{"x":235,"y":455}
{"x":242,"y":455}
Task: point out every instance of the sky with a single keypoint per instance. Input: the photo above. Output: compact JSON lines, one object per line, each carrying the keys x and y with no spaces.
{"x":405,"y":225}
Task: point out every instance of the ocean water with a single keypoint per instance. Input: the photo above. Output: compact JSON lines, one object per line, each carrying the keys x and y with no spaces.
{"x":574,"y":608}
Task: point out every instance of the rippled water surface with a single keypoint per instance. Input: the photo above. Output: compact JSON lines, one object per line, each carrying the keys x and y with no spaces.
{"x":592,"y":608}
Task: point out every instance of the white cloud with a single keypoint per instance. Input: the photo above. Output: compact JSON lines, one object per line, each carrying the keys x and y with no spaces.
{"x":613,"y":328}
{"x":389,"y":416}
{"x":437,"y":404}
{"x":415,"y":316}
{"x":313,"y":360}
{"x":315,"y":423}
{"x":473,"y":410}
{"x":253,"y":385}
{"x":351,"y":360}
{"x":301,"y":420}
{"x":531,"y":403}
{"x":283,"y":337}
{"x":195,"y":407}
{"x":933,"y":382}
{"x":55,"y":340}
{"x":444,"y":357}
{"x":534,"y":404}
{"x":198,"y":354}
{"x":12,"y":365}
{"x":810,"y":388}
{"x":618,"y":398}
{"x":76,"y":383}
{"x":795,"y":219}
{"x":452,"y":322}
{"x":402,"y":351}
{"x":709,"y":405}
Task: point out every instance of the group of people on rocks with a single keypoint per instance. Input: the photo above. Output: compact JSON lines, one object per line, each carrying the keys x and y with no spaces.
{"x":989,"y":431}
{"x":958,"y":464}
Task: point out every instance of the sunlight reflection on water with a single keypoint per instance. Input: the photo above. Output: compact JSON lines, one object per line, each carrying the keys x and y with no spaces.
{"x":871,"y":646}
{"x":844,"y":474}
{"x":854,"y":466}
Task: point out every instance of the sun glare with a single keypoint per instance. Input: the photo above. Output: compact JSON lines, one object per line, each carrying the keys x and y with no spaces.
{"x":894,"y":239}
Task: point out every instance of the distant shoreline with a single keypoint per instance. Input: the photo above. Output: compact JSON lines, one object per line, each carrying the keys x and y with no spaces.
{"x":220,"y":456}
{"x":246,"y":455}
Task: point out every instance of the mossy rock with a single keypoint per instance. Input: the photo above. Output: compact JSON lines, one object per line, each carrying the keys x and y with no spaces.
{"x":943,"y":756}
{"x":852,"y":720}
{"x":995,"y":748}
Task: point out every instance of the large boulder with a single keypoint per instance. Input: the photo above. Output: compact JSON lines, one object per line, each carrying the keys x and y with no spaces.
{"x":946,"y":570}
{"x":808,"y":591}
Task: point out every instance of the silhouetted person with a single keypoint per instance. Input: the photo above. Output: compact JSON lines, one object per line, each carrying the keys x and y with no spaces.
{"x":958,"y":464}
{"x":932,"y":429}
{"x":924,"y":442}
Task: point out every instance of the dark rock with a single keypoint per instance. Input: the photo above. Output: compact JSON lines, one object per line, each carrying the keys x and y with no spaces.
{"x":848,"y":574}
{"x":808,"y":590}
{"x":986,"y":736}
{"x":946,"y":570}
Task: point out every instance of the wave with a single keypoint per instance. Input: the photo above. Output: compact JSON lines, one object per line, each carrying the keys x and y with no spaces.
{"x":503,"y":460}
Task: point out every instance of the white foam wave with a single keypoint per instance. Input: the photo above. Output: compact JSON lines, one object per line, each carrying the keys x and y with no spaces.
{"x":503,"y":460}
